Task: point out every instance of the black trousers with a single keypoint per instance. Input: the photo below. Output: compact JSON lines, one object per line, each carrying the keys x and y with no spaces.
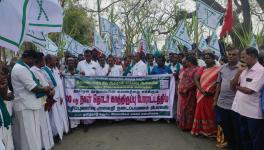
{"x":230,"y":121}
{"x":251,"y":131}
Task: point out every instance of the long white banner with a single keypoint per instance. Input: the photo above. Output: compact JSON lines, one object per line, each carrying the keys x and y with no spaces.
{"x":119,"y":97}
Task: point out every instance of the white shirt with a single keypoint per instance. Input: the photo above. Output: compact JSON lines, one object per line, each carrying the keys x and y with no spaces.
{"x":116,"y":71}
{"x":174,"y":68}
{"x":40,"y":75}
{"x":103,"y":70}
{"x":139,"y":69}
{"x":201,"y":63}
{"x":250,"y":105}
{"x":42,"y":80}
{"x":23,"y":83}
{"x":90,"y":69}
{"x":47,"y":77}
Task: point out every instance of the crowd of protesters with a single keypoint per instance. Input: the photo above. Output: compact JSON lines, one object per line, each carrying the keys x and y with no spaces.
{"x":214,"y":97}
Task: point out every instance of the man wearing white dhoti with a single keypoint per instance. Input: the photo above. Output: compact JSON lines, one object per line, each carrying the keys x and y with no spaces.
{"x":47,"y":141}
{"x":56,"y":118}
{"x":27,"y":104}
{"x":62,"y":106}
{"x":88,"y":67}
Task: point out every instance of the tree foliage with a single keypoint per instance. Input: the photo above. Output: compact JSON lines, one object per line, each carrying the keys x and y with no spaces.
{"x":78,"y":24}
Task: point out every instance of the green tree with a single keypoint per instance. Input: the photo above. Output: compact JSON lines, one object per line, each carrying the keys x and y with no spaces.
{"x":78,"y":24}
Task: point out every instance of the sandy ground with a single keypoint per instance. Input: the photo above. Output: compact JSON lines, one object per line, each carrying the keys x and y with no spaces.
{"x":132,"y":135}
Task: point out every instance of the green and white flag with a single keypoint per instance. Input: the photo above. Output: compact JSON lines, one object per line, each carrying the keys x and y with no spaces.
{"x":72,"y":46}
{"x":99,"y":43}
{"x":202,"y":44}
{"x":42,"y":42}
{"x":214,"y":45}
{"x":253,"y":43}
{"x":14,"y":20}
{"x":182,"y":36}
{"x":45,"y":16}
{"x":50,"y":48}
{"x":173,"y":47}
{"x":207,"y":16}
{"x":105,"y":25}
{"x":37,"y":38}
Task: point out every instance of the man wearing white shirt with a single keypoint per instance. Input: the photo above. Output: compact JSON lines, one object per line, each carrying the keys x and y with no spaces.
{"x":247,"y":103}
{"x":88,"y":67}
{"x":56,"y":116}
{"x":103,"y":68}
{"x":113,"y":70}
{"x":140,"y":68}
{"x":47,"y":141}
{"x":62,"y":106}
{"x":27,"y":104}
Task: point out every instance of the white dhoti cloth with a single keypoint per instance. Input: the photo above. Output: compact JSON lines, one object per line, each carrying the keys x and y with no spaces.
{"x":64,"y":116}
{"x":47,"y":141}
{"x":56,"y":121}
{"x":26,"y":130}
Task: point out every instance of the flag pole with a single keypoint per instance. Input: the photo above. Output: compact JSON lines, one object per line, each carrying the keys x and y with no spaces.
{"x":98,"y":12}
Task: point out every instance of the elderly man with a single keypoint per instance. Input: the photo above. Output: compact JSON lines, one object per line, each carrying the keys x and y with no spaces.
{"x":247,"y":103}
{"x":27,"y":91}
{"x":139,"y":69}
{"x":47,"y":141}
{"x":113,"y":69}
{"x":56,"y":116}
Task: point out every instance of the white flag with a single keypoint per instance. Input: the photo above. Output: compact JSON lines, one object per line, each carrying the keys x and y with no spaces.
{"x":182,"y":36}
{"x":253,"y":43}
{"x":142,"y":45}
{"x":51,"y":48}
{"x":117,"y":40}
{"x":42,"y":42}
{"x":14,"y":20}
{"x":105,"y":25}
{"x":45,"y":16}
{"x":37,"y":38}
{"x":173,"y":47}
{"x":99,"y":43}
{"x":202,"y":44}
{"x":214,"y":45}
{"x":115,"y":30}
{"x":207,"y":16}
{"x":72,"y":46}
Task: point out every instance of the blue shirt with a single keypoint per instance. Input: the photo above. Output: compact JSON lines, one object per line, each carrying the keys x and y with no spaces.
{"x":161,"y":70}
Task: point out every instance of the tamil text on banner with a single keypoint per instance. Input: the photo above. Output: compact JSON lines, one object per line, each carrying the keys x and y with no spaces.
{"x":119,"y":97}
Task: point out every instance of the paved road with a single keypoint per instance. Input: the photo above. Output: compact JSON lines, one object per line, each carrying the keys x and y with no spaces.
{"x":131,"y":135}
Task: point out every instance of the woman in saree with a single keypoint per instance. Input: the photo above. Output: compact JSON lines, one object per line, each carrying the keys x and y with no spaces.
{"x":205,"y":79}
{"x":187,"y":94}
